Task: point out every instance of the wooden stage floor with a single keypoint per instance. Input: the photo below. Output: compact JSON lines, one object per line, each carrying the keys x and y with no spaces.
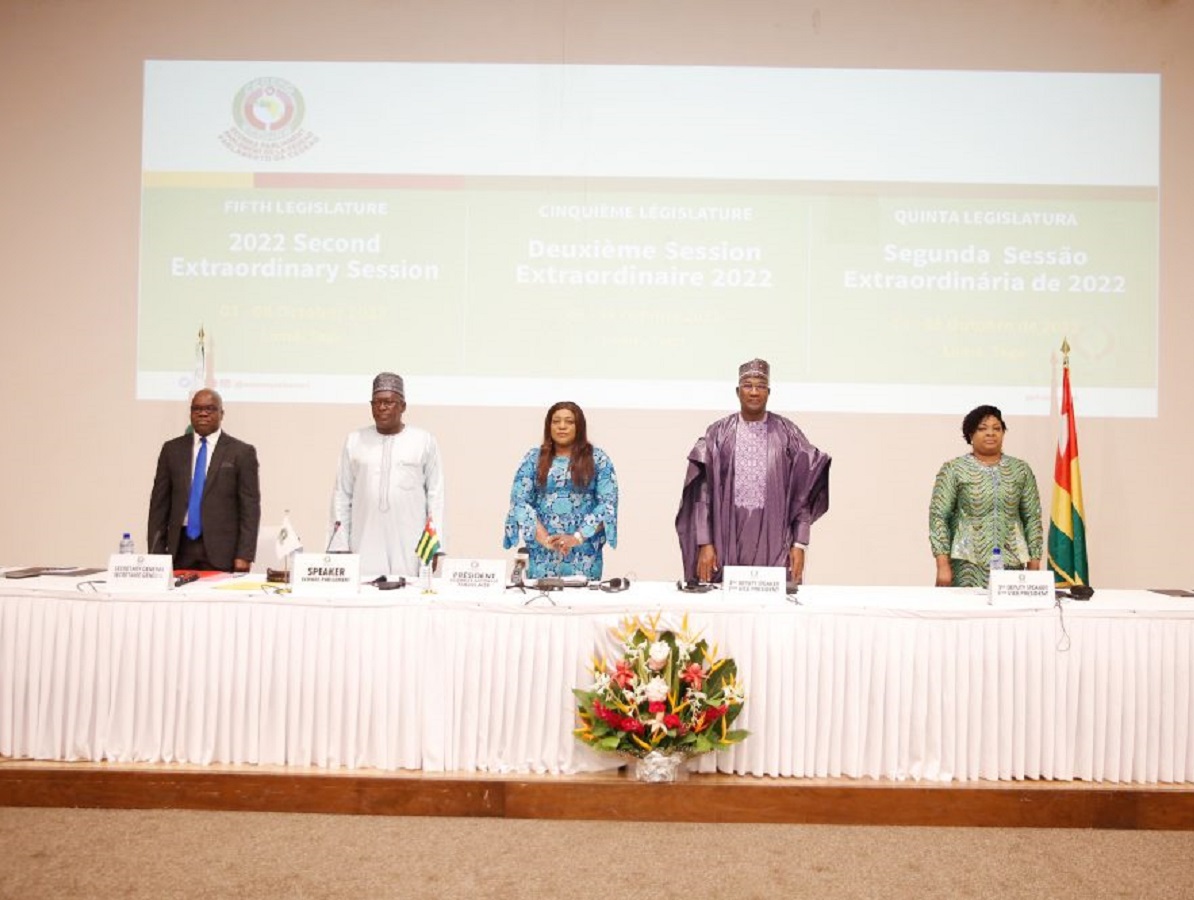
{"x":610,"y":795}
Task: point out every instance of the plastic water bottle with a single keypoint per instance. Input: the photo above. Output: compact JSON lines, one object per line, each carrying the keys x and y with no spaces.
{"x":517,"y":577}
{"x":996,"y":559}
{"x":126,"y":544}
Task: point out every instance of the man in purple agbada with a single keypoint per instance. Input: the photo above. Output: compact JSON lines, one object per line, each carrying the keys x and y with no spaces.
{"x":754,"y":487}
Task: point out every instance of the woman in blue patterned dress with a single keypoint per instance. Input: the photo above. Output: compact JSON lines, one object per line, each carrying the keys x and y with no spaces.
{"x":564,"y":502}
{"x":982,"y":500}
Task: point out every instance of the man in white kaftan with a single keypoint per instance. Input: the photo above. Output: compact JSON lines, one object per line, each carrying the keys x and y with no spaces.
{"x":390,"y":482}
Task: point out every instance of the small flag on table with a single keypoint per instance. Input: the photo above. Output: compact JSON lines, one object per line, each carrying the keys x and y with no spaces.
{"x":428,"y":544}
{"x":288,"y":540}
{"x":1067,"y":525}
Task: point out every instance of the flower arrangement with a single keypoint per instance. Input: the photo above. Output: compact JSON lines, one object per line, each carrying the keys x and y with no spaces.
{"x":668,"y":694}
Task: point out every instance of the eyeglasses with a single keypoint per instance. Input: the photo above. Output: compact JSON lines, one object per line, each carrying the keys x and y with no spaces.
{"x":383,"y":404}
{"x":199,"y":410}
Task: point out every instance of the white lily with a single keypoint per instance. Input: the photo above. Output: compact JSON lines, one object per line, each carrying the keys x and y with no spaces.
{"x":732,"y":693}
{"x":684,"y":650}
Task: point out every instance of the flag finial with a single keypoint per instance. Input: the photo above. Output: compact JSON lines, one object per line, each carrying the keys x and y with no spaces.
{"x":1065,"y":352}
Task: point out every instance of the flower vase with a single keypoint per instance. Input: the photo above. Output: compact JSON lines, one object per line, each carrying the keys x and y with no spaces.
{"x":660,"y":768}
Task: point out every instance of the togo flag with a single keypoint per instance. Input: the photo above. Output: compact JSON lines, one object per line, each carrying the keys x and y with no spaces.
{"x":428,"y":544}
{"x":1067,"y":527}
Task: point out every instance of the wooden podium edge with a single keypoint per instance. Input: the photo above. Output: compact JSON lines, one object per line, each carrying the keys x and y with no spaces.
{"x":701,"y":798}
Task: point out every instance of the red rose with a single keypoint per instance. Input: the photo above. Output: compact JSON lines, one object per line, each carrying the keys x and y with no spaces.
{"x":657,"y":707}
{"x":672,"y":721}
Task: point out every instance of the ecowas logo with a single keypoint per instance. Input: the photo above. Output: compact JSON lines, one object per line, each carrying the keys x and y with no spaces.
{"x":268,"y":114}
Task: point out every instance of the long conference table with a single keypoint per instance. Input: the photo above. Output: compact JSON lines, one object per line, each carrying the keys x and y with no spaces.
{"x":864,"y":682}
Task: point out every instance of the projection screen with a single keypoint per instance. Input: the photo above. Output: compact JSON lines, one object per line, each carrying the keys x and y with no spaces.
{"x":899,"y":241}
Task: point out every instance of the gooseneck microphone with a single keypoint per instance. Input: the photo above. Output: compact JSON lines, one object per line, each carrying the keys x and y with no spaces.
{"x":332,"y":538}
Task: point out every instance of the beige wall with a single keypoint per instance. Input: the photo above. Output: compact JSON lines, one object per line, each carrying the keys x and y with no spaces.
{"x":78,"y":451}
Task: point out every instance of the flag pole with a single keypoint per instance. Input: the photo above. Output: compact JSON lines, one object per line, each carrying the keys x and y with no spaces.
{"x":1067,"y":521}
{"x":289,"y":553}
{"x":426,"y":550}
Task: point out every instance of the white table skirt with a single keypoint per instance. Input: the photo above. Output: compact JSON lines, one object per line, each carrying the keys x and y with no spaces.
{"x":895,"y":683}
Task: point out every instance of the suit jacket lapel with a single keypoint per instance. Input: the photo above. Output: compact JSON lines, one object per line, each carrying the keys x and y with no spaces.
{"x":186,"y":459}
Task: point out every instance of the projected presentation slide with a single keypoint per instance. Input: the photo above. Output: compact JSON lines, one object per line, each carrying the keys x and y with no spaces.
{"x":892,"y":241}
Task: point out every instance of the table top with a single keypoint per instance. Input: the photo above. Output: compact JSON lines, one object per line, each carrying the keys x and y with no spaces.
{"x":639,"y":597}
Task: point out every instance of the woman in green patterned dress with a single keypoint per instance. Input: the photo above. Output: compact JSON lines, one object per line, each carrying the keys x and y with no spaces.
{"x":982,"y":500}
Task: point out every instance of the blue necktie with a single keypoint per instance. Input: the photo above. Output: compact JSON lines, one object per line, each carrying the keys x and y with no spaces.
{"x":194,"y":520}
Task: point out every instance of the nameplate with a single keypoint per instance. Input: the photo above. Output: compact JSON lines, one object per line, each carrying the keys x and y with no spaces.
{"x":1022,"y":589}
{"x":325,"y":574}
{"x":754,"y":582}
{"x":482,"y":575}
{"x":140,"y":572}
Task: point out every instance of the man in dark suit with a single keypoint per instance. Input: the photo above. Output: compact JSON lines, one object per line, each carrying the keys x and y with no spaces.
{"x":213,"y":526}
